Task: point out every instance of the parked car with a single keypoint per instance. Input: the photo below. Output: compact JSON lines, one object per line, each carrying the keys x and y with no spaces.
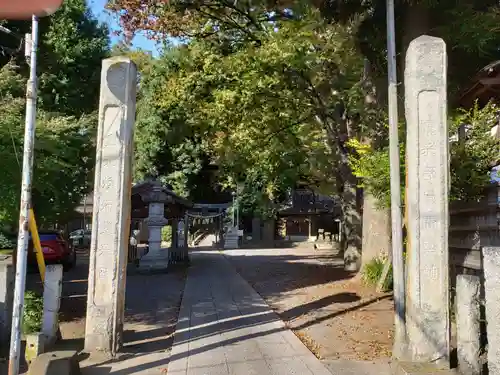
{"x":55,"y":250}
{"x":80,"y":238}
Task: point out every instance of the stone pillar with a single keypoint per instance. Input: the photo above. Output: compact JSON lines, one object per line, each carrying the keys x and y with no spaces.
{"x":157,"y":258}
{"x":186,"y":230}
{"x":111,"y":211}
{"x":309,"y":227}
{"x":7,"y":274}
{"x":52,"y":290}
{"x":468,"y":324}
{"x":256,"y":236}
{"x":144,"y":232}
{"x":491,"y":266}
{"x":180,"y":233}
{"x":427,"y":315}
{"x":268,"y":232}
{"x":185,"y":248}
{"x":174,"y":246}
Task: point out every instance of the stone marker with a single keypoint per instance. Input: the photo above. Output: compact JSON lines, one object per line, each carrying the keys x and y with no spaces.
{"x":491,"y":266}
{"x":256,"y":229}
{"x":468,"y":324}
{"x":427,"y":314}
{"x":55,"y":363}
{"x":6,"y":297}
{"x":51,"y":302}
{"x":111,"y":212}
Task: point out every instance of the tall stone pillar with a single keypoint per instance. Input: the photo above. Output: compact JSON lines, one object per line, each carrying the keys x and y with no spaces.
{"x":427,"y":315}
{"x":157,"y":258}
{"x":180,"y":233}
{"x":111,"y":211}
{"x":185,"y":247}
{"x":175,"y":255}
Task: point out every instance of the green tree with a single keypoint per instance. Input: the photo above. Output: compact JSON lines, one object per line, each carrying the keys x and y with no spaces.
{"x":471,"y":158}
{"x":342,"y":110}
{"x":72,"y":46}
{"x":270,"y":115}
{"x":63,"y":154}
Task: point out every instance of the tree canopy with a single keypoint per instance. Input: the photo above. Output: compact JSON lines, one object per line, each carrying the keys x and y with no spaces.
{"x":72,"y":45}
{"x":278,"y":93}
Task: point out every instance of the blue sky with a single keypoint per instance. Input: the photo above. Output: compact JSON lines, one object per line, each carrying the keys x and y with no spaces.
{"x":140,"y":41}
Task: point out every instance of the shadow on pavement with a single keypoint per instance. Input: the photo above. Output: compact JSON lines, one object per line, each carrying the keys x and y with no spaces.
{"x":297,"y":311}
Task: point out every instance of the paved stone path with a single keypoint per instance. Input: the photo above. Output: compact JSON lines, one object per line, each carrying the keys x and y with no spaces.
{"x":226,"y":328}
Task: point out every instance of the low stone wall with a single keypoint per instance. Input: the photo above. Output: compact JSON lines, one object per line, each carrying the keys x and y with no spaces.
{"x":474,"y":240}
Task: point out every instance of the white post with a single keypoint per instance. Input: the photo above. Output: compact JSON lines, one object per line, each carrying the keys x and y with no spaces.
{"x":26,"y":182}
{"x":52,"y":288}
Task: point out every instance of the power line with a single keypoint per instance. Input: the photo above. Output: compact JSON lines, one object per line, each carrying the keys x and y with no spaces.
{"x":9,"y":50}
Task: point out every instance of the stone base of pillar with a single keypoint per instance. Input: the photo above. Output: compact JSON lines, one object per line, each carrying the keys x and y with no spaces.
{"x":154,"y":261}
{"x":179,"y":255}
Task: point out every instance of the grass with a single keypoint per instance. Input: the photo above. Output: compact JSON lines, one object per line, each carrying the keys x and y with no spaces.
{"x":373,"y":272}
{"x":33,"y":312}
{"x":6,"y":251}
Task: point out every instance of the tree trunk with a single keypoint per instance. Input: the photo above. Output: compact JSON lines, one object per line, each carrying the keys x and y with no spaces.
{"x":351,"y":212}
{"x":376,"y":230}
{"x":376,"y":238}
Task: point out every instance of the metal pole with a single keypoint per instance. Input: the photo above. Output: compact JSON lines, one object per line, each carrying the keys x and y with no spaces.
{"x":22,"y":241}
{"x":238,"y":207}
{"x":84,"y":214}
{"x":233,"y":210}
{"x":397,"y":238}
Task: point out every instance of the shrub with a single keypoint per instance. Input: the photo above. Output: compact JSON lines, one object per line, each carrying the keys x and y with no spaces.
{"x":372,"y":273}
{"x":6,"y":243}
{"x":33,"y":313}
{"x":166,"y":233}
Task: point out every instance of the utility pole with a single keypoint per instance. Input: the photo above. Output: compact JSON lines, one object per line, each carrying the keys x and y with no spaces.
{"x":233,"y":208}
{"x":27,"y":176}
{"x":397,"y":236}
{"x":238,"y":206}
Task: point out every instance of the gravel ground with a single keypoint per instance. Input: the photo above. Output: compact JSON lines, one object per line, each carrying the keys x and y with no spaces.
{"x":336,"y":316}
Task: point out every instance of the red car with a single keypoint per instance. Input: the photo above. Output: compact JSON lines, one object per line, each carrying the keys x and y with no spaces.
{"x":55,"y":250}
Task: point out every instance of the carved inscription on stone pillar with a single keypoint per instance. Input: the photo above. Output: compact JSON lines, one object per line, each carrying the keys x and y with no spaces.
{"x":111,"y":214}
{"x":427,"y":313}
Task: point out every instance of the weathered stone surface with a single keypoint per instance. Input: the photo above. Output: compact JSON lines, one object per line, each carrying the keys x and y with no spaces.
{"x":343,"y":367}
{"x":376,"y":230}
{"x":427,"y":315}
{"x":35,"y":346}
{"x":6,"y":296}
{"x":468,"y":324}
{"x":491,"y":265}
{"x":410,"y":368}
{"x":157,"y":257}
{"x":111,"y":212}
{"x":51,"y":302}
{"x":256,"y":229}
{"x":55,"y":363}
{"x":268,"y":231}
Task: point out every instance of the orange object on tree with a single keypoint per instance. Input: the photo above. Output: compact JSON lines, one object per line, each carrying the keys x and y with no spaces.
{"x":24,"y":9}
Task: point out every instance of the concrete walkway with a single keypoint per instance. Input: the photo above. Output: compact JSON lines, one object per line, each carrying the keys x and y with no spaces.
{"x":225,"y":327}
